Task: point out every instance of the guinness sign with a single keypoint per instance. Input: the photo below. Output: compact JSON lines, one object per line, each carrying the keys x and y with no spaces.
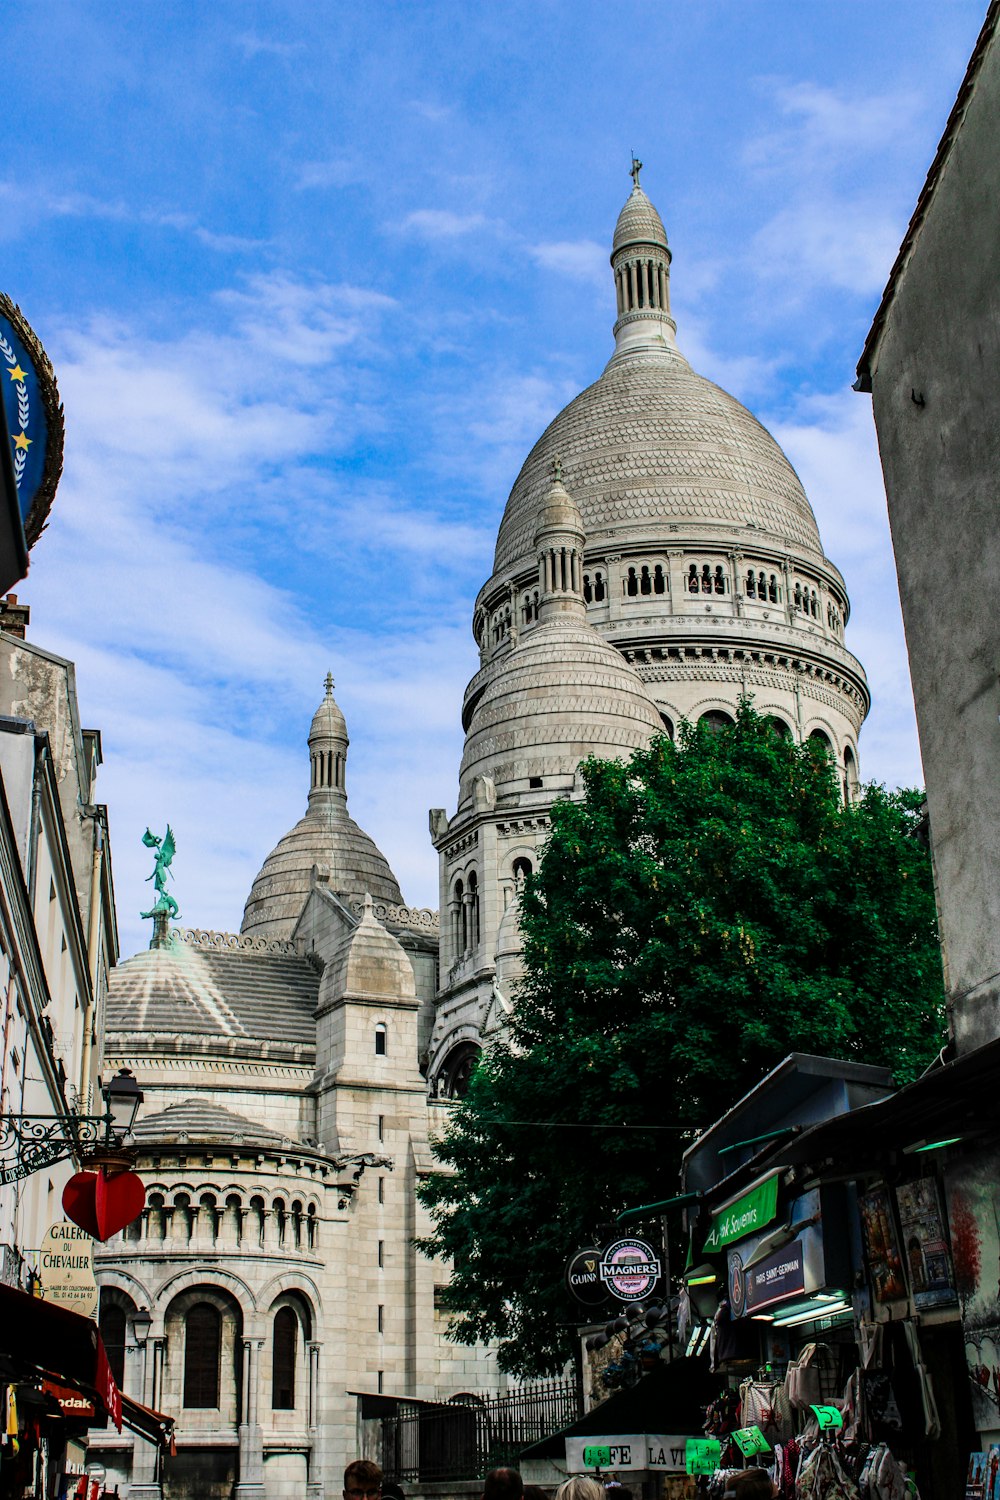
{"x":583,"y":1277}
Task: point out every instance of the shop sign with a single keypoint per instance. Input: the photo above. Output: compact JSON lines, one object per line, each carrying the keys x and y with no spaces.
{"x":744,"y":1215}
{"x":30,"y":404}
{"x":828,"y":1418}
{"x":781,"y":1275}
{"x":629,"y":1269}
{"x":751,"y":1440}
{"x":71,"y":1403}
{"x":583,"y":1277}
{"x":635,"y":1451}
{"x":66,"y":1269}
{"x":703,"y":1455}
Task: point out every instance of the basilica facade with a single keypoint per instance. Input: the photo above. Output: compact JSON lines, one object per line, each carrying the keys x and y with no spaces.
{"x":657,"y":560}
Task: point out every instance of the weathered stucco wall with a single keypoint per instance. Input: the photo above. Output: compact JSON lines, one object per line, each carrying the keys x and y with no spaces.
{"x":936,"y":389}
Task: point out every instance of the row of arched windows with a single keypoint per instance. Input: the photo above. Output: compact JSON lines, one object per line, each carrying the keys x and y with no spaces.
{"x":292,"y":1225}
{"x":501,"y":624}
{"x":594,"y":587}
{"x":806,"y":599}
{"x":706,"y":579}
{"x":201,"y":1327}
{"x":641,"y":582}
{"x":762,"y":586}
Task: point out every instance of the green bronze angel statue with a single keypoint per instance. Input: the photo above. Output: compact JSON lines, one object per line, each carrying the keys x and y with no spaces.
{"x":165,"y":851}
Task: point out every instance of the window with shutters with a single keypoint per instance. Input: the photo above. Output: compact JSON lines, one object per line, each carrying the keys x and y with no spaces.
{"x":283,"y":1359}
{"x":202,"y":1349}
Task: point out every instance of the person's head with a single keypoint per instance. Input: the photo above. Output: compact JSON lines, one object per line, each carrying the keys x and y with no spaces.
{"x":534,"y":1492}
{"x":392,"y":1491}
{"x":752,"y":1484}
{"x":580,"y":1488}
{"x":362,"y":1480}
{"x":503,"y":1484}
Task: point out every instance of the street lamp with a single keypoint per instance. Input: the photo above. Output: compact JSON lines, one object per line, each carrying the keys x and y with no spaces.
{"x":123,"y":1096}
{"x":141,"y":1324}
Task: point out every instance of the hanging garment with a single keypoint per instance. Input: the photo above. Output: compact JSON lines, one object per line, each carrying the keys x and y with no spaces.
{"x":823,"y":1477}
{"x":764,"y":1404}
{"x":932,"y":1422}
{"x":803,"y":1381}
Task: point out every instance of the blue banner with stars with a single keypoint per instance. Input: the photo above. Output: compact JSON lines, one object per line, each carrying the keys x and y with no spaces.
{"x":34,"y":417}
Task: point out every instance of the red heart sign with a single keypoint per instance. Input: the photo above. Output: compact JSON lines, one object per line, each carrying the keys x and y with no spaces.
{"x":101,"y":1204}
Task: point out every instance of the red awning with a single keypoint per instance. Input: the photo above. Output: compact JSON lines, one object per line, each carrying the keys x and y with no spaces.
{"x":154,"y":1426}
{"x":39,"y":1340}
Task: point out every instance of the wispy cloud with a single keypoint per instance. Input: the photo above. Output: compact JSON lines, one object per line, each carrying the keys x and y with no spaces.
{"x":441,"y":223}
{"x":584,"y":260}
{"x":252,"y":44}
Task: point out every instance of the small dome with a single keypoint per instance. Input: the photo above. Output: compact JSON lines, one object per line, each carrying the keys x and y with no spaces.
{"x":326,"y":839}
{"x":561,"y":694}
{"x":638,"y":223}
{"x":328,"y":721}
{"x":558,"y":510}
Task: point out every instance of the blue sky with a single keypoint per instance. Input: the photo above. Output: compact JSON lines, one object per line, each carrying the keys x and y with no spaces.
{"x":315,"y":276}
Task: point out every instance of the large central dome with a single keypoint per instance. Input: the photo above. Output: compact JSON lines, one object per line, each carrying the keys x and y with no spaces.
{"x":652,"y":446}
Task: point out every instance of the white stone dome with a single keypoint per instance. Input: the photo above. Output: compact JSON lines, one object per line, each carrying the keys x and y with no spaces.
{"x":654,"y":451}
{"x":326,"y":839}
{"x":561,"y":694}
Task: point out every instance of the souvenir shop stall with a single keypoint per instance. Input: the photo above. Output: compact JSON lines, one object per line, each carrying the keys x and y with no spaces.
{"x":56,"y":1383}
{"x":821,"y":1283}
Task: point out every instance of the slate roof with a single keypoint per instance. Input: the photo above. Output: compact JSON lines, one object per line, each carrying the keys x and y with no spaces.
{"x":215,"y":985}
{"x":198,"y":1122}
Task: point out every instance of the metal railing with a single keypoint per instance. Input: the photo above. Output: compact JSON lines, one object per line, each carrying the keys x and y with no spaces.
{"x":466,"y":1438}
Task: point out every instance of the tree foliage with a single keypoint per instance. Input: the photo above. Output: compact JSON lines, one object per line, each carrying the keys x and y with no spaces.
{"x":707,"y":908}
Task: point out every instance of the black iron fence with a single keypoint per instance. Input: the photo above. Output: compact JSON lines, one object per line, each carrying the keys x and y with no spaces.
{"x":464,"y":1439}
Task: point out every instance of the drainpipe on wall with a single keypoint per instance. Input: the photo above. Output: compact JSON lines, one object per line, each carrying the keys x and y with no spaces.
{"x":93,"y":964}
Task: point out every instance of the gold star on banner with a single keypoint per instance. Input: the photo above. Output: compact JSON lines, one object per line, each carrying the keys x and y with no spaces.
{"x":17,"y":373}
{"x":21,"y":440}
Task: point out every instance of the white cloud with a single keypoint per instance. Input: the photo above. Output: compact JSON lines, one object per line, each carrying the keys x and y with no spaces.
{"x":831,"y":441}
{"x":442,"y":223}
{"x":584,"y":260}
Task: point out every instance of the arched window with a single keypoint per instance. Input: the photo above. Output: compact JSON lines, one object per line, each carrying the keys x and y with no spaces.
{"x":522,"y":869}
{"x":820,"y":738}
{"x":668,"y":725}
{"x":716,"y":720}
{"x":659,"y":580}
{"x":257,"y":1220}
{"x":458,"y":918}
{"x":285,"y":1338}
{"x":202,"y":1351}
{"x":772,"y":589}
{"x":645,"y":582}
{"x":473,"y":932}
{"x":798,"y":595}
{"x":111,"y":1324}
{"x":630,"y":584}
{"x":297,"y":1224}
{"x":778,"y":727}
{"x":850,"y":775}
{"x":381,"y":1039}
{"x":599,"y":589}
{"x":311,"y":1226}
{"x":588,"y":592}
{"x":280,"y":1219}
{"x":751,"y":589}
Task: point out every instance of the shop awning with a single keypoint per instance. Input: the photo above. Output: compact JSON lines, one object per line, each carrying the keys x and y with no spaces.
{"x":671,"y":1398}
{"x":954,"y":1102}
{"x":39,"y":1340}
{"x":152,"y":1425}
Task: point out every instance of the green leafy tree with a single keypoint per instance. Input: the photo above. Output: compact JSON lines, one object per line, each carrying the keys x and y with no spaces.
{"x":706,"y":909}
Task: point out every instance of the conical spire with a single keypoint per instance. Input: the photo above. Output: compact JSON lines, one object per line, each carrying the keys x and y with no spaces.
{"x":328,"y":744}
{"x":640,"y":259}
{"x":559,"y":543}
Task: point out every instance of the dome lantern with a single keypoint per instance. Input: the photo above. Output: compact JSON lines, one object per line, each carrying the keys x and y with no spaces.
{"x":640,"y":260}
{"x":328,"y":742}
{"x":559,"y":543}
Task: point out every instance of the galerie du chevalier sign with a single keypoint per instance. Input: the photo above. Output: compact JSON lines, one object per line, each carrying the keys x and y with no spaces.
{"x":66,"y":1269}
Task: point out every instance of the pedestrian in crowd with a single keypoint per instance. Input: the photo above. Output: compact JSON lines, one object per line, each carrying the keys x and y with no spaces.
{"x":362,"y":1480}
{"x":752,"y":1484}
{"x":392,"y":1491}
{"x":581,"y":1488}
{"x":503,"y":1484}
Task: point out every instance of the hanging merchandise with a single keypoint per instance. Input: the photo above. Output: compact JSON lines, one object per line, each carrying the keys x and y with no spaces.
{"x":822,"y":1476}
{"x":809,"y":1377}
{"x":932,"y":1422}
{"x":764,"y":1403}
{"x":882,"y":1478}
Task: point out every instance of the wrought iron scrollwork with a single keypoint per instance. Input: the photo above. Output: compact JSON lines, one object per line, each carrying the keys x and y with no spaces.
{"x":29,"y":1143}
